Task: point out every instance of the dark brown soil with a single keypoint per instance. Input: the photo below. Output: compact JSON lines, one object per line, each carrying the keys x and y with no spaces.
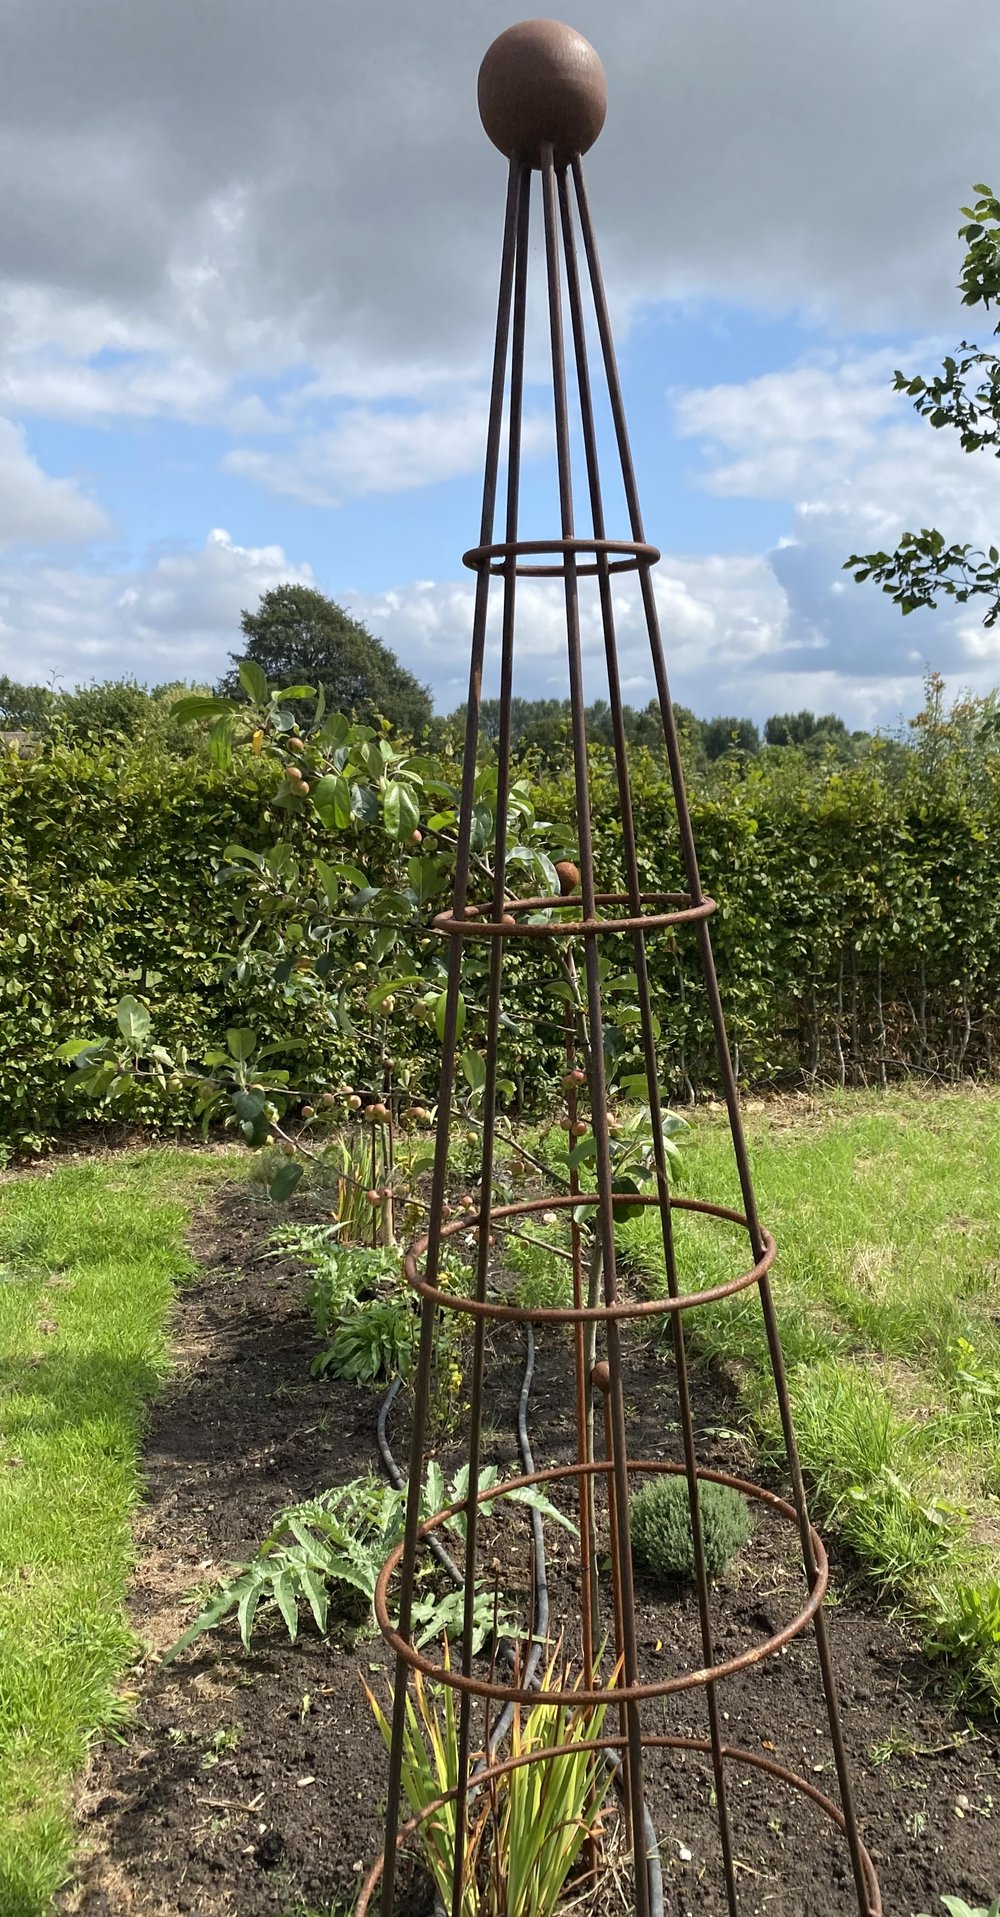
{"x":253,"y":1785}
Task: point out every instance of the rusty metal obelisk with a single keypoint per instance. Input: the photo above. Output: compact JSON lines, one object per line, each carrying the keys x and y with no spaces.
{"x":542,"y":99}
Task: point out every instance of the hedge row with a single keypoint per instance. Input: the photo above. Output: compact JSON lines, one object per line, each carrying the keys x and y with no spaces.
{"x":857,"y":935}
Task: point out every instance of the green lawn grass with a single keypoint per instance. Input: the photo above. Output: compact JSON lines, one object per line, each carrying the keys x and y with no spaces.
{"x":888,"y":1288}
{"x":90,"y":1254}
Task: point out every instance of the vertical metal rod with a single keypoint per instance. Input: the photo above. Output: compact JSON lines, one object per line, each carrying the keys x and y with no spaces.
{"x":644,"y":1000}
{"x":492,"y":1026}
{"x":438,"y":1187}
{"x":585,"y":1489}
{"x":602,"y":1382}
{"x":598,"y":1091}
{"x":730,"y":1091}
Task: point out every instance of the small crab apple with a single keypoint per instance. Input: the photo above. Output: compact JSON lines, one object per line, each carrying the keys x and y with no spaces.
{"x":308,"y":1111}
{"x":354,"y":1103}
{"x":572,"y":1080}
{"x":568,"y":875}
{"x":416,"y":838}
{"x":373,"y":1196}
{"x":295,"y":744}
{"x":327,"y":1099}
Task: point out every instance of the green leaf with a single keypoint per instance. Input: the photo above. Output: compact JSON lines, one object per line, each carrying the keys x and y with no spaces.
{"x":474,"y":1070}
{"x":441,"y":1011}
{"x":242,"y":1042}
{"x":238,"y":854}
{"x":253,"y":681}
{"x":400,"y":810}
{"x":332,"y":799}
{"x":286,"y":1598}
{"x":74,"y":1046}
{"x":134,"y":1023}
{"x":376,"y":999}
{"x":220,"y":742}
{"x":425,"y":878}
{"x":285,"y":1180}
{"x":200,"y":706}
{"x":620,"y":1212}
{"x":247,"y":1607}
{"x":316,"y":1595}
{"x":292,"y":692}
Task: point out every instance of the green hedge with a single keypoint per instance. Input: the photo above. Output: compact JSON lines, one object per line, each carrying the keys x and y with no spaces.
{"x":857,"y":935}
{"x":108,"y":860}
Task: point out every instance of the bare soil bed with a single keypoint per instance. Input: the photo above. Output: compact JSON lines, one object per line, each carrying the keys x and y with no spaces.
{"x":253,"y":1785}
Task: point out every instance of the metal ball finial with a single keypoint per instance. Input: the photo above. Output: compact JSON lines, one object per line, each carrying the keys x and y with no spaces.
{"x":541,"y":83}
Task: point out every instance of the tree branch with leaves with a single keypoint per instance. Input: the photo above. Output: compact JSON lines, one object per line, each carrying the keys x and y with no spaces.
{"x":964,"y":395}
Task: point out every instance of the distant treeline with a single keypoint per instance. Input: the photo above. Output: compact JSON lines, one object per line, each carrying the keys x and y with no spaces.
{"x":122,"y":708}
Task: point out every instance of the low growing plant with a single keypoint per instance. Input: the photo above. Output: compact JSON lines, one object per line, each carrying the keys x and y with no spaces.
{"x":334,"y":1546}
{"x":957,"y":1907}
{"x":966,"y":1631}
{"x":526,"y":1829}
{"x":374,"y":1341}
{"x":661,"y":1527}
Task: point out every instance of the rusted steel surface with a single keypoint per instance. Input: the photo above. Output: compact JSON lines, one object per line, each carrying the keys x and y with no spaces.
{"x":542,"y":101}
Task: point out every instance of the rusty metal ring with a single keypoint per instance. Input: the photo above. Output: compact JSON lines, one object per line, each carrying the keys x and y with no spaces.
{"x":686,"y":913}
{"x":636,"y":553}
{"x":625,"y":1693}
{"x":730,"y":1753}
{"x":583,"y":1314}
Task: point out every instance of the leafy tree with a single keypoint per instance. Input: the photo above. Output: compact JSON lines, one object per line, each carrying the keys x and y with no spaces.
{"x":801,"y":728}
{"x":102,"y":710}
{"x":114,"y":706}
{"x":298,"y":637}
{"x":719,"y":736}
{"x":25,"y":708}
{"x":966,"y":396}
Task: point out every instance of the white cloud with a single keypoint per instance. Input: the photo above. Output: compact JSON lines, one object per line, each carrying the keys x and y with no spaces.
{"x":719,"y":617}
{"x":309,"y":193}
{"x":176,"y":617}
{"x":829,"y":439}
{"x":372,"y":450}
{"x":36,"y":510}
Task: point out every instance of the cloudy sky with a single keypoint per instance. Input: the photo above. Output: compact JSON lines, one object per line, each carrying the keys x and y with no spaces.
{"x":248,"y":259}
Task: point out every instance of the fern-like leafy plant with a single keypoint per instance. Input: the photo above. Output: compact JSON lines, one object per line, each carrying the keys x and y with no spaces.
{"x":661,"y":1527}
{"x":334,"y":1546}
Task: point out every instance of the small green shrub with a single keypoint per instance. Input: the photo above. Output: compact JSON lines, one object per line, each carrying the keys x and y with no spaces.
{"x":661,"y":1527}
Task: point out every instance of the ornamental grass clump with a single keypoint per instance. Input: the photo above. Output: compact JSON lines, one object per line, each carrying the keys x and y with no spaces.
{"x":527,"y":1828}
{"x":661,"y":1527}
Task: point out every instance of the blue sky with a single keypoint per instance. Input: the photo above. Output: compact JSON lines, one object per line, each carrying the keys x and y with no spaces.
{"x":247,"y":268}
